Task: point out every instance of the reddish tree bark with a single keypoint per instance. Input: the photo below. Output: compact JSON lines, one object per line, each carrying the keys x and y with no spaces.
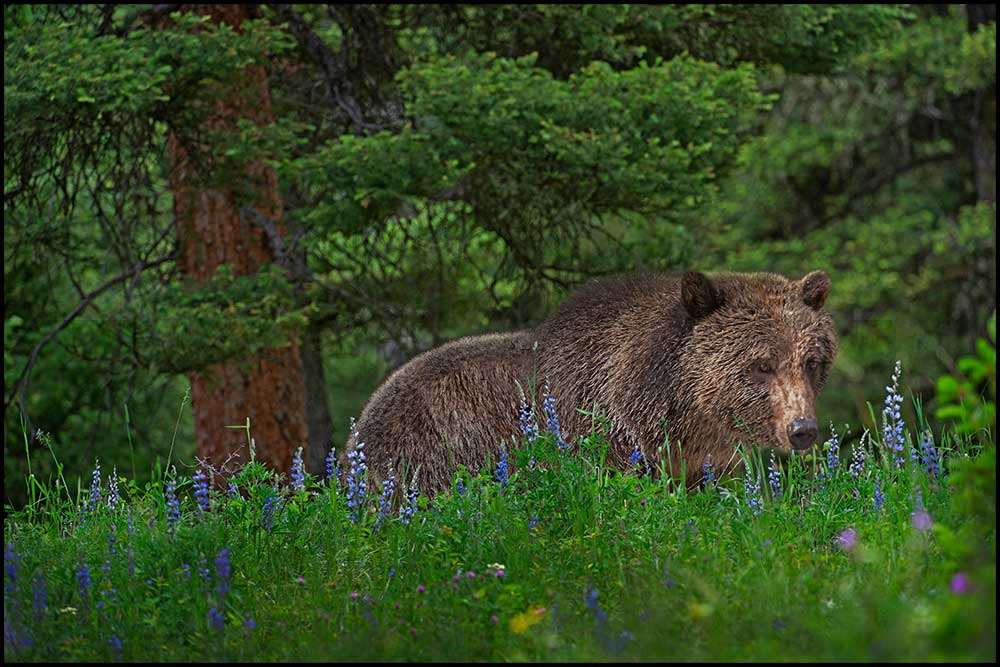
{"x":268,"y":387}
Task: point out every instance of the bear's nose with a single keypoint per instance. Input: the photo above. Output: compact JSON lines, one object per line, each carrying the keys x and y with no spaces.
{"x":802,"y":433}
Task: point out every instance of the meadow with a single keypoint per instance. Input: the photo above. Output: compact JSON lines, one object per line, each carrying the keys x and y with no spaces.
{"x":877,"y":546}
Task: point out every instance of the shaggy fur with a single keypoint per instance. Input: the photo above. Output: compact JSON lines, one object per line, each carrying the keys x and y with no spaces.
{"x":707,"y":361}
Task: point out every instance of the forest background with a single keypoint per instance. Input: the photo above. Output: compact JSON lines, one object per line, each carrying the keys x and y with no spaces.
{"x":222,"y":212}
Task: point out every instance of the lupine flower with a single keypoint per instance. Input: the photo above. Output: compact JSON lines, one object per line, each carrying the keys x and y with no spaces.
{"x":216,"y":619}
{"x":332,"y":472}
{"x":460,"y":487}
{"x":879,"y":497}
{"x":10,"y":565}
{"x":356,"y":478}
{"x":173,"y":507}
{"x":929,"y":457}
{"x":635,"y":457}
{"x":753,"y":495}
{"x":95,"y":486}
{"x":847,"y":539}
{"x":533,"y":522}
{"x":83,"y":580}
{"x":113,"y":490}
{"x":708,"y":472}
{"x":502,"y":475}
{"x":409,"y":507}
{"x":552,"y":419}
{"x":385,"y":501}
{"x":233,"y":490}
{"x":116,"y":645}
{"x":857,"y":467}
{"x":892,"y":420}
{"x":223,"y":568}
{"x":526,"y":419}
{"x":774,"y":477}
{"x":201,"y":490}
{"x":832,"y":447}
{"x":270,"y":507}
{"x":298,"y":472}
{"x":249,"y":625}
{"x":39,"y":596}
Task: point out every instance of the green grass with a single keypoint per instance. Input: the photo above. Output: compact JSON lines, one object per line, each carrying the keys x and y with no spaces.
{"x":617,"y":567}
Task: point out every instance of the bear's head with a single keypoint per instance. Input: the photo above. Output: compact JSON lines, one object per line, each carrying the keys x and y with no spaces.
{"x":759,"y":351}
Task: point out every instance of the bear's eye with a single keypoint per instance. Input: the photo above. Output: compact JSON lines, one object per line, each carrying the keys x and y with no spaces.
{"x":812,"y":363}
{"x":764,"y":366}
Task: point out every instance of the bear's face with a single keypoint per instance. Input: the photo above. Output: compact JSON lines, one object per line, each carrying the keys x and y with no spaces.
{"x":760,"y":351}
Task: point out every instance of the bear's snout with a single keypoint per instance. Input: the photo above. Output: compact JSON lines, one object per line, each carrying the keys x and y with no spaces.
{"x":802,"y":433}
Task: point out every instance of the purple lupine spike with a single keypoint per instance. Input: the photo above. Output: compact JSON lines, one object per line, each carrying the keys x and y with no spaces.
{"x":892,"y":420}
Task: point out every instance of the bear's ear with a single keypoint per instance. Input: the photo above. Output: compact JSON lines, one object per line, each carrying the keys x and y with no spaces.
{"x":815,"y":287}
{"x":699,"y":295}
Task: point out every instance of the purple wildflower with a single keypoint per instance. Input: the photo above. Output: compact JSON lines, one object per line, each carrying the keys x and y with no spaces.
{"x":832,"y":447}
{"x":332,"y":472}
{"x":270,"y":507}
{"x":879,"y":497}
{"x":113,"y":497}
{"x":533,"y":522}
{"x":635,"y":457}
{"x":929,"y":457}
{"x":409,"y":507}
{"x":960,"y":584}
{"x":95,"y":486}
{"x":526,"y":419}
{"x":201,"y":493}
{"x":249,"y":625}
{"x":847,"y":539}
{"x":753,"y":494}
{"x":223,"y":569}
{"x":552,"y":419}
{"x":116,"y":645}
{"x":774,"y":477}
{"x":216,"y":619}
{"x":857,"y":467}
{"x":892,"y":420}
{"x":385,"y":501}
{"x":502,"y":475}
{"x":83,"y":580}
{"x":39,"y":596}
{"x":356,"y":478}
{"x":460,"y":487}
{"x":707,"y":472}
{"x":11,"y":565}
{"x":920,"y":518}
{"x":173,"y":507}
{"x":298,"y":473}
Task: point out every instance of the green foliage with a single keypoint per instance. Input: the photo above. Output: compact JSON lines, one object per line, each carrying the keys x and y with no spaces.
{"x":969,"y":399}
{"x":566,"y":561}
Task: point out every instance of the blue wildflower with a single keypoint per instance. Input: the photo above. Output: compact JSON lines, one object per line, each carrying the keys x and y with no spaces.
{"x":332,"y":472}
{"x":113,"y":497}
{"x":460,"y":486}
{"x":39,"y":597}
{"x":173,"y":507}
{"x":201,"y":493}
{"x":385,"y":501}
{"x":533,"y":522}
{"x":753,"y":497}
{"x":552,"y":419}
{"x":223,"y":569}
{"x":116,"y":645}
{"x":708,"y":472}
{"x":270,"y":507}
{"x":356,"y":478}
{"x":832,"y":447}
{"x":502,"y":473}
{"x":83,"y":580}
{"x":929,"y":457}
{"x":298,"y":472}
{"x":892,"y":420}
{"x":11,"y":566}
{"x":526,"y":419}
{"x":409,"y":507}
{"x":857,"y":467}
{"x":635,"y":457}
{"x":216,"y":620}
{"x":879,"y":498}
{"x":249,"y":625}
{"x":774,"y":477}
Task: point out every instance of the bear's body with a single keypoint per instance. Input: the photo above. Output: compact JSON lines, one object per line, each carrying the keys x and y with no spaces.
{"x":714,"y":361}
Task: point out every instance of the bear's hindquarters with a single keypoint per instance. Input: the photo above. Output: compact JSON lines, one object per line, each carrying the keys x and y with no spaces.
{"x":451,"y":406}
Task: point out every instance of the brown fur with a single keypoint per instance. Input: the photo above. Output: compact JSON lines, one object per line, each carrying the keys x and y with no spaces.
{"x":716,"y":360}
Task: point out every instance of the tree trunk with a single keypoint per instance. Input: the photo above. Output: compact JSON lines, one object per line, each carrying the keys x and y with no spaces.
{"x":984,"y":118}
{"x":317,"y":409}
{"x":268,"y":387}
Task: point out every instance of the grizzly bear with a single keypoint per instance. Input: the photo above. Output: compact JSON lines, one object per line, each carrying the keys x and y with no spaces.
{"x":707,"y":362}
